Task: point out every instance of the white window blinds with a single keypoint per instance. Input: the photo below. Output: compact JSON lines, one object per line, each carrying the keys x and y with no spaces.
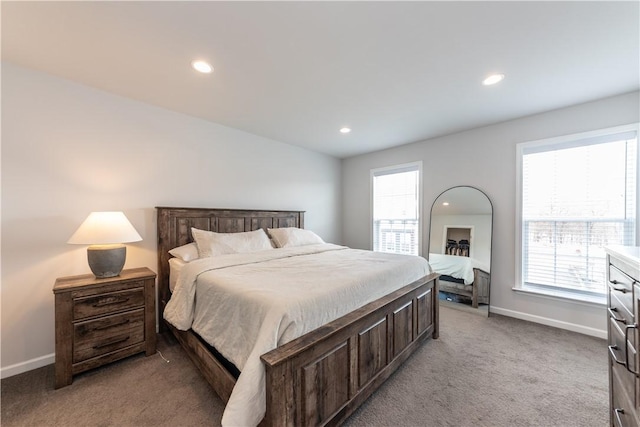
{"x":578,"y":195}
{"x":396,"y":209}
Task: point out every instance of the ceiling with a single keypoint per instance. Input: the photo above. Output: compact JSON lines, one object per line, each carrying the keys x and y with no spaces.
{"x":296,"y":72}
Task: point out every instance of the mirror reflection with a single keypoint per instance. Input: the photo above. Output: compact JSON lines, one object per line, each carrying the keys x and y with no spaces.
{"x":460,"y":247}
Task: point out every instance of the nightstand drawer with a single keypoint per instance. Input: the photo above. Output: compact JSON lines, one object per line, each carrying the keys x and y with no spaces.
{"x":108,"y":302}
{"x":106,"y":334}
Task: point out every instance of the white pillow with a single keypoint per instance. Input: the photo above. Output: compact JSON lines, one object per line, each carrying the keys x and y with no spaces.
{"x":186,"y":253}
{"x":291,"y":236}
{"x":175,"y":266}
{"x":211,"y":243}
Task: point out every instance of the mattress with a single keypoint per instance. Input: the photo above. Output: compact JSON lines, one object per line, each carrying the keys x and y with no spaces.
{"x":459,"y":267}
{"x":248,"y":304}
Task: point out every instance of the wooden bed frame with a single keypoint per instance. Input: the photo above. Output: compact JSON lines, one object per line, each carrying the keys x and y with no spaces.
{"x":323,"y":376}
{"x":479,"y":292}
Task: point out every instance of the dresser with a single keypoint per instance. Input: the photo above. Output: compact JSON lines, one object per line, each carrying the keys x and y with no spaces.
{"x":98,"y":321}
{"x":623,"y":279}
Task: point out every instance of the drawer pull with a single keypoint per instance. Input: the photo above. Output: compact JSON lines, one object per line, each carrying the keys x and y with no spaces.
{"x":100,"y":328}
{"x":612,"y":313}
{"x":618,"y":412}
{"x":619,"y":289}
{"x":99,"y":346}
{"x":612,"y":349}
{"x":626,"y":347}
{"x":110,"y":301}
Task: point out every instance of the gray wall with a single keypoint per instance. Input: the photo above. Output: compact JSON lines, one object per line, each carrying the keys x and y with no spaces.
{"x":68,"y":150}
{"x":485,"y":158}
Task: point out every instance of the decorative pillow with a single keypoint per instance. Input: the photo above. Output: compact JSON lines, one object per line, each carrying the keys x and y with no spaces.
{"x":186,"y":253}
{"x":291,"y":236}
{"x":211,"y":243}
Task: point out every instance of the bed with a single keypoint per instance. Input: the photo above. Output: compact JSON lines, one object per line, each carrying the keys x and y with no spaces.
{"x":322,"y":376}
{"x":461,"y":275}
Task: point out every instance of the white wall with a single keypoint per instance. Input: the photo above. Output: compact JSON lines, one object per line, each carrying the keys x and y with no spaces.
{"x":68,"y":150}
{"x":485,"y":159}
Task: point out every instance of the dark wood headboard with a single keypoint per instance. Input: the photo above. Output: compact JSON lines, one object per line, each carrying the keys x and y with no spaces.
{"x":174,"y":229}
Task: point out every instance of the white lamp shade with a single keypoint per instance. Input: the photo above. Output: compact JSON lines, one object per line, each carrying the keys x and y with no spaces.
{"x":105,"y":228}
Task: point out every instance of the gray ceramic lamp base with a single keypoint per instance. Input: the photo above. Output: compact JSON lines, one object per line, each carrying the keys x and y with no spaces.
{"x":106,"y":261}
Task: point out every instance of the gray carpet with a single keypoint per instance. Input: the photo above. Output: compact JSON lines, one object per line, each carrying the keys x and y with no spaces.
{"x":495,"y":371}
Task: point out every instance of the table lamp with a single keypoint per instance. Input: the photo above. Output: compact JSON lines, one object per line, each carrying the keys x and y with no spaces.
{"x":105,"y":232}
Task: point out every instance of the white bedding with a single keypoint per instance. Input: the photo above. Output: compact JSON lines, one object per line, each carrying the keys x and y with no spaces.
{"x":459,"y":267}
{"x":248,"y":304}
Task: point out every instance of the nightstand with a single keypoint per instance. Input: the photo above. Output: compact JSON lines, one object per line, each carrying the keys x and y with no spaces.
{"x":99,"y":321}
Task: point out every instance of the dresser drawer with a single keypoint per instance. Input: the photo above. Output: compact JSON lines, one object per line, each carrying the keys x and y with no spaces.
{"x":110,"y":302}
{"x":629,"y":270}
{"x":106,"y":334}
{"x":617,"y":345}
{"x":620,"y":313}
{"x":621,"y":286}
{"x":623,"y":413}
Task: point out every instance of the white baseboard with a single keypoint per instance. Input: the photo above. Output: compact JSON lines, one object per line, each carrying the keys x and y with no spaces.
{"x":550,"y":322}
{"x":29,"y":365}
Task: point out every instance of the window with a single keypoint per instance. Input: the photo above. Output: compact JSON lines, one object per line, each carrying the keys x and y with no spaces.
{"x":577,"y":194}
{"x":396,"y":208}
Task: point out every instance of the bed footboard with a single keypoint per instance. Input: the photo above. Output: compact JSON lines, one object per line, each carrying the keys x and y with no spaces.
{"x":323,"y":376}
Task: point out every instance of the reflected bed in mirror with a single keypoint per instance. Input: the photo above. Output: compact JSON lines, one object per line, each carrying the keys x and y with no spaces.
{"x":460,"y":247}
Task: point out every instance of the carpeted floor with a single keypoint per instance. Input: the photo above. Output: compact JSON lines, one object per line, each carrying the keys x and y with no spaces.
{"x":494,"y":371}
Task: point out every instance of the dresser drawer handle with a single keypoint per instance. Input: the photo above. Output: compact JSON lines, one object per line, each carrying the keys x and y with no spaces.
{"x":626,"y":348}
{"x":615,"y":282}
{"x":99,"y":346}
{"x":618,"y":412}
{"x":110,"y":301}
{"x":612,"y":313}
{"x":613,"y":355}
{"x":100,"y":328}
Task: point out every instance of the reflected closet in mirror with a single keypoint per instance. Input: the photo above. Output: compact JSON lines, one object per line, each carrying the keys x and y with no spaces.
{"x":460,"y":247}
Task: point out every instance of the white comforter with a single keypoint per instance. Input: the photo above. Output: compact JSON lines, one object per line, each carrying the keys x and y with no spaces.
{"x":459,"y":267}
{"x":248,"y":304}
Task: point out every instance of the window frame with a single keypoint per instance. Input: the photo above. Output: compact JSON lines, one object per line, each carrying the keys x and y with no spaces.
{"x":564,"y":141}
{"x":388,"y":170}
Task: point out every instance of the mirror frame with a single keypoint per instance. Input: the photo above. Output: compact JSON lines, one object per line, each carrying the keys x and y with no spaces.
{"x":490,"y":236}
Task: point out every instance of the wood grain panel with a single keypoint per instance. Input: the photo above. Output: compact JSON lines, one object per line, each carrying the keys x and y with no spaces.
{"x":424,"y":308}
{"x":402,"y":328}
{"x":257,"y":223}
{"x":372,"y":351}
{"x":184,"y":225}
{"x":64,"y":339}
{"x":109,"y":302}
{"x":325,"y":384}
{"x":211,"y":369}
{"x":106,"y":334}
{"x":285,"y":222}
{"x":230,"y":225}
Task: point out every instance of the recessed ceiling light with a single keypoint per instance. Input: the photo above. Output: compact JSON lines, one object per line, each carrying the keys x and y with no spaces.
{"x":345,"y":130}
{"x":445,"y":204}
{"x":202,"y":66}
{"x":493,"y":79}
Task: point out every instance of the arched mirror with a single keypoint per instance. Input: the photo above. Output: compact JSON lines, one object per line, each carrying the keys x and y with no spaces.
{"x":460,"y":247}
